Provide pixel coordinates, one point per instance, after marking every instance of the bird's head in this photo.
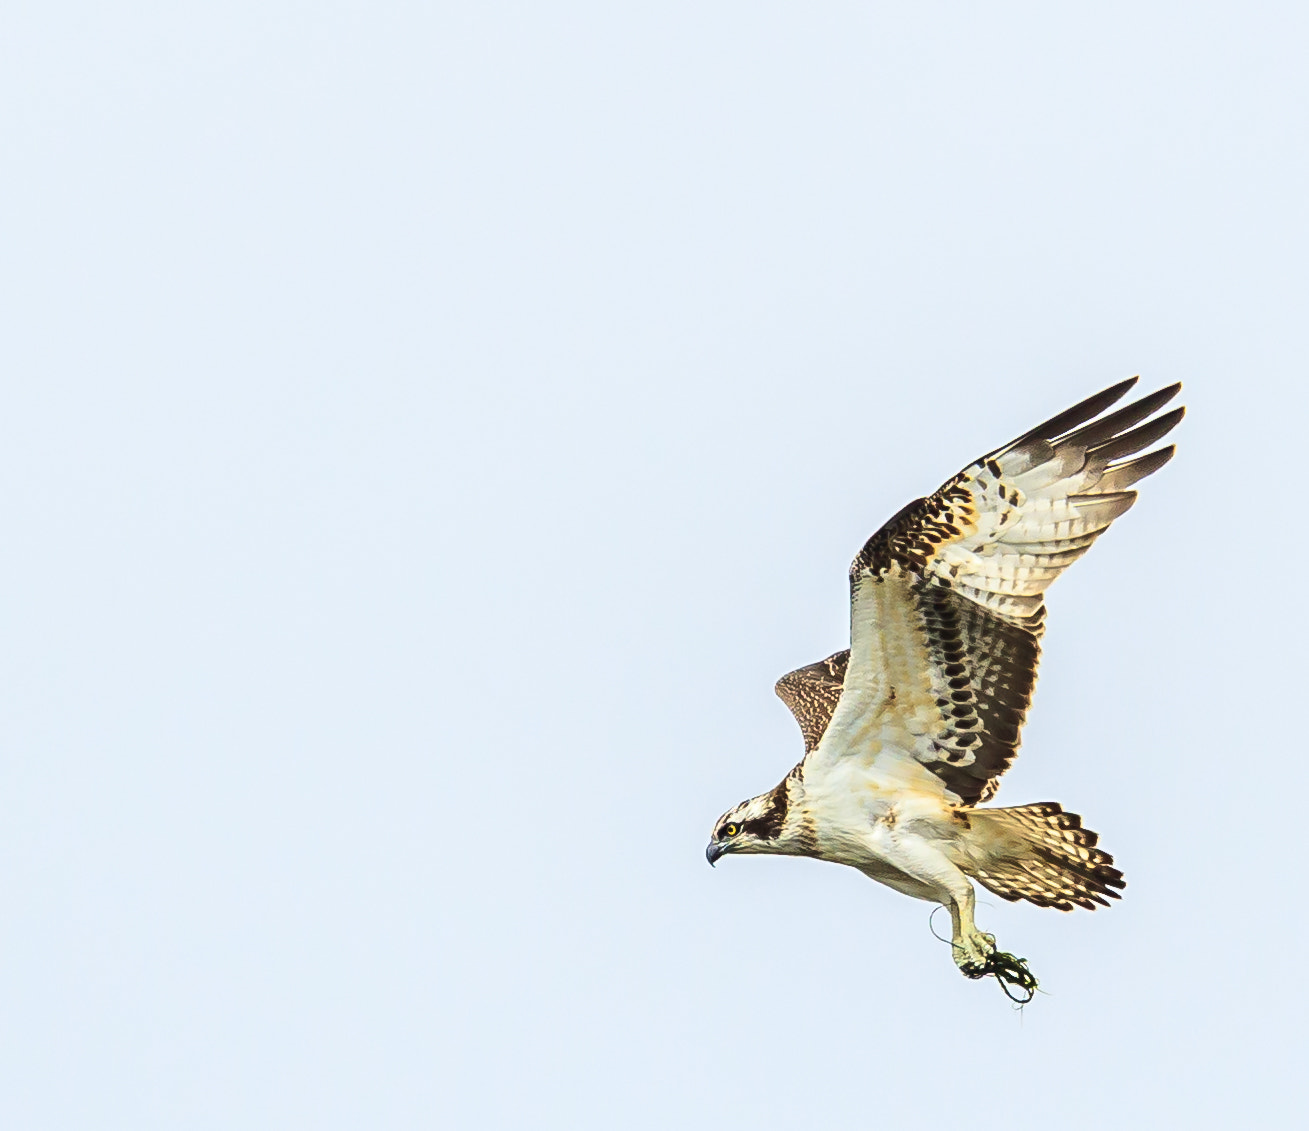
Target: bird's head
(752, 826)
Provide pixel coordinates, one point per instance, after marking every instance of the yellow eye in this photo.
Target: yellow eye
(731, 830)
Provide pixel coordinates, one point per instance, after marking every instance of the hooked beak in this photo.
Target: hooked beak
(713, 852)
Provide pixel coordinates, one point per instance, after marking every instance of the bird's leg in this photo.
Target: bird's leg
(928, 873)
(976, 955)
(972, 948)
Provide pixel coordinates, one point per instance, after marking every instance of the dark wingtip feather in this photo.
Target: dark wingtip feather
(1119, 477)
(1107, 427)
(1132, 442)
(1079, 414)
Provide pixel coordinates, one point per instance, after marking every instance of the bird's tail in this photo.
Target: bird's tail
(1041, 854)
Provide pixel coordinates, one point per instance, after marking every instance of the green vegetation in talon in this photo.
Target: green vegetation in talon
(1012, 974)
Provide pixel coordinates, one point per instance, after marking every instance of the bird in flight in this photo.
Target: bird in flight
(910, 728)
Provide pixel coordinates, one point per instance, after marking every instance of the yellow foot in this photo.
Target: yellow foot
(972, 952)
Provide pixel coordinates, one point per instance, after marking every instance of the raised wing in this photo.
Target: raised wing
(947, 599)
(812, 694)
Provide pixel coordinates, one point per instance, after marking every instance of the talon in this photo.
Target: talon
(973, 952)
(977, 957)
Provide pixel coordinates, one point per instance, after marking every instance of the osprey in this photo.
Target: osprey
(908, 729)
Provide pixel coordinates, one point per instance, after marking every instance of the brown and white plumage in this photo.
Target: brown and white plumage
(913, 725)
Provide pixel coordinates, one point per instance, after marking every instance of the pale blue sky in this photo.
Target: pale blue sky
(428, 431)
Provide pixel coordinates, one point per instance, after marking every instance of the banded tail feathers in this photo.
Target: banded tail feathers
(1041, 854)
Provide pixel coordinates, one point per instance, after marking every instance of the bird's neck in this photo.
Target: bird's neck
(791, 831)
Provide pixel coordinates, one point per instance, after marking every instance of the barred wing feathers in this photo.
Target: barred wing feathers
(812, 693)
(947, 599)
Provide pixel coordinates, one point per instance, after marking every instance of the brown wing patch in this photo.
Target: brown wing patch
(911, 538)
(812, 694)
